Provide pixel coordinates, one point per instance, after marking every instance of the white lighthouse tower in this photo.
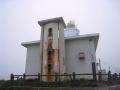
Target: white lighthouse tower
(52, 47)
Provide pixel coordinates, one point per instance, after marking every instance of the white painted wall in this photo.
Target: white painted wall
(33, 60)
(71, 62)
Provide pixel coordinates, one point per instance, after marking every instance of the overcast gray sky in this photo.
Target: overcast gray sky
(18, 23)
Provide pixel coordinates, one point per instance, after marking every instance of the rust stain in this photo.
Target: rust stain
(50, 54)
(50, 58)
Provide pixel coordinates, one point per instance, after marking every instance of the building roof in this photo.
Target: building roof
(56, 20)
(89, 36)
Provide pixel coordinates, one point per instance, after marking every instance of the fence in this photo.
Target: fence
(65, 79)
(58, 77)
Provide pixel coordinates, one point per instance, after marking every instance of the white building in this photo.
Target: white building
(80, 52)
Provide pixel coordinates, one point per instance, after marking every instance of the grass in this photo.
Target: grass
(66, 83)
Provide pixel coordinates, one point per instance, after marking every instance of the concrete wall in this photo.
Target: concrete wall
(72, 62)
(33, 60)
(72, 50)
(45, 28)
(56, 43)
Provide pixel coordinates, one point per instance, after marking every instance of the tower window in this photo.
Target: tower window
(50, 56)
(49, 68)
(50, 32)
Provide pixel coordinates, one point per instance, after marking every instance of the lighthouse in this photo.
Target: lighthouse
(52, 47)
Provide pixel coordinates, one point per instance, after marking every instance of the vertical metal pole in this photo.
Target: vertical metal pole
(24, 76)
(100, 71)
(100, 64)
(39, 76)
(11, 78)
(55, 77)
(100, 76)
(109, 75)
(74, 78)
(94, 71)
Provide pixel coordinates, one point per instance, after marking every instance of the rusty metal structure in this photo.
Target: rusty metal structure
(52, 47)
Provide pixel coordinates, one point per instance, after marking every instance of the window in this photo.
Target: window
(50, 32)
(81, 55)
(50, 56)
(49, 68)
(50, 38)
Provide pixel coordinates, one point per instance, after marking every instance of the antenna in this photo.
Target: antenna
(100, 64)
(71, 24)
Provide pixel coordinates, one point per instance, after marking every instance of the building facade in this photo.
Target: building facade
(80, 53)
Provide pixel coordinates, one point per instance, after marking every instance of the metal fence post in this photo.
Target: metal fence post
(94, 71)
(109, 75)
(70, 76)
(24, 76)
(74, 76)
(119, 76)
(55, 77)
(116, 76)
(59, 76)
(100, 76)
(38, 76)
(11, 78)
(59, 80)
(41, 77)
